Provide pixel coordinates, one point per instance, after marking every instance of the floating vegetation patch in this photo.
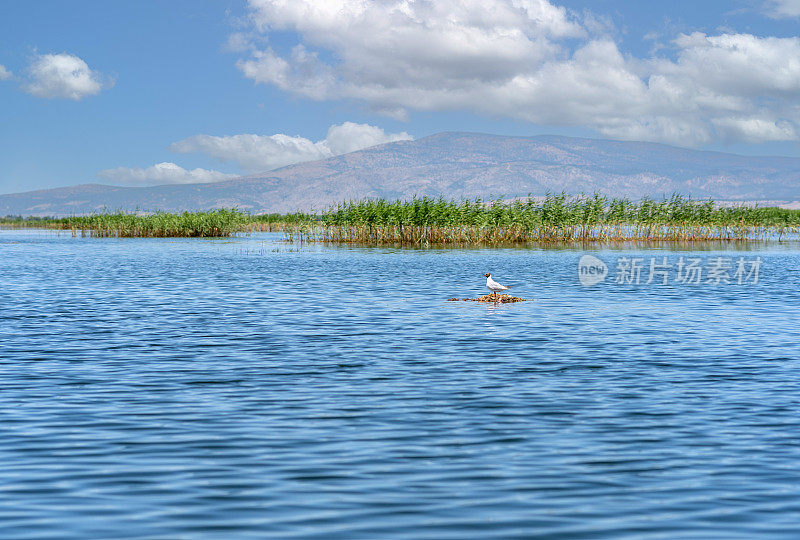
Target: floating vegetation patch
(499, 299)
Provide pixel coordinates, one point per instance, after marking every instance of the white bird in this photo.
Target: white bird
(493, 286)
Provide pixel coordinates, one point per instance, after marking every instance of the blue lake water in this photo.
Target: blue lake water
(161, 388)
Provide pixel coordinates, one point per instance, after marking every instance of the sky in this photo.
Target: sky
(152, 92)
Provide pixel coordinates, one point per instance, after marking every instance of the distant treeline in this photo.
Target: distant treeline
(424, 220)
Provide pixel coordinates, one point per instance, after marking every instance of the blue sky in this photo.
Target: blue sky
(149, 92)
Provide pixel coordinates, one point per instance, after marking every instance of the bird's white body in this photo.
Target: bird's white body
(493, 286)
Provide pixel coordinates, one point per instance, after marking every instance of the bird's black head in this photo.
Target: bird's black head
(487, 275)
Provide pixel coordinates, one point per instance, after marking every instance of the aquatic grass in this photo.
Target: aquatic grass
(281, 222)
(213, 223)
(556, 218)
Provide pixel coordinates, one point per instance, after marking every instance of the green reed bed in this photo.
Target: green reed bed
(293, 223)
(554, 219)
(423, 221)
(30, 222)
(214, 223)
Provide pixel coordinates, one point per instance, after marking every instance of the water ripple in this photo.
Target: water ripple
(163, 389)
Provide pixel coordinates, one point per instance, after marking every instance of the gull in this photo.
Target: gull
(493, 286)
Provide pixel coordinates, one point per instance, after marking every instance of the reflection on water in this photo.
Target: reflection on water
(209, 388)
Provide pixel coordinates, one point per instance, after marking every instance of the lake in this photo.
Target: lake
(246, 387)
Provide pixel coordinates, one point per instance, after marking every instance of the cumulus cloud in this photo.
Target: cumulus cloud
(5, 74)
(256, 153)
(162, 173)
(781, 9)
(62, 76)
(430, 45)
(532, 60)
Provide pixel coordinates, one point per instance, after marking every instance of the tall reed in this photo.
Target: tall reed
(213, 223)
(553, 219)
(424, 220)
(280, 222)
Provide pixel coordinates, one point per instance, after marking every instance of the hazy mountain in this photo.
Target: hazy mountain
(453, 165)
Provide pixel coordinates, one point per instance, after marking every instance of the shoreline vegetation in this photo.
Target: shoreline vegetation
(428, 221)
(214, 223)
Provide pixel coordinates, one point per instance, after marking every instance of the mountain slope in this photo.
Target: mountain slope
(452, 165)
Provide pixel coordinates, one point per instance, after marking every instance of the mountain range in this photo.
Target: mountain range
(452, 165)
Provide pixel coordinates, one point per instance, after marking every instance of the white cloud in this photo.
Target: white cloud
(5, 74)
(446, 44)
(302, 74)
(532, 60)
(757, 129)
(781, 9)
(255, 153)
(62, 76)
(162, 173)
(349, 137)
(238, 42)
